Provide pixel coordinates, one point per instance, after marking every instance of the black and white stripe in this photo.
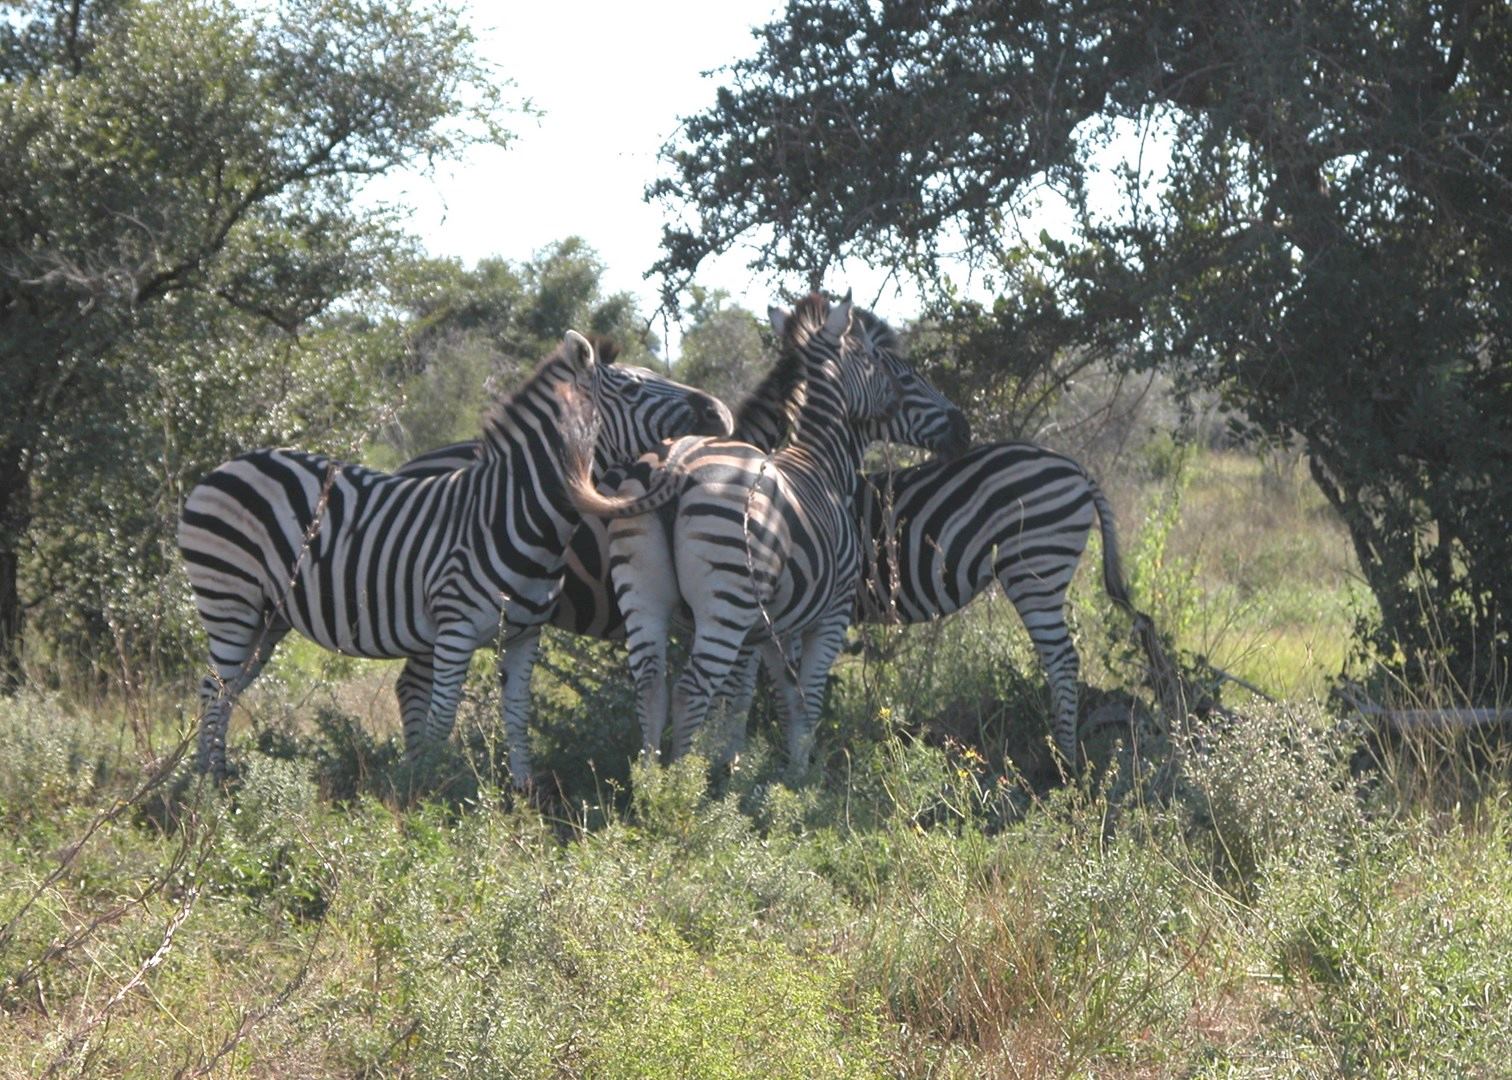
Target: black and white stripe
(763, 547)
(1011, 512)
(937, 536)
(424, 568)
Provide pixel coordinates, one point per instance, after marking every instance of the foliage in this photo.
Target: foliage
(102, 567)
(179, 176)
(723, 349)
(1324, 240)
(472, 331)
(887, 919)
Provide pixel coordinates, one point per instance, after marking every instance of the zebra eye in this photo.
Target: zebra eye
(632, 391)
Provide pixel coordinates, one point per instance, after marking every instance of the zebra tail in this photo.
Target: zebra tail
(579, 431)
(1113, 577)
(1171, 689)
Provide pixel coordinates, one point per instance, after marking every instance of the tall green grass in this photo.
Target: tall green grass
(1242, 561)
(1301, 897)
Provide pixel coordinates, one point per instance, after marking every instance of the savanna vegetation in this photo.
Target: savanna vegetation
(1283, 352)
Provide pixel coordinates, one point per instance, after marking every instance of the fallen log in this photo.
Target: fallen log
(1434, 719)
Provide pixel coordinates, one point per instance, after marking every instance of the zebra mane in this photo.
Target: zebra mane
(807, 318)
(768, 415)
(882, 337)
(497, 418)
(769, 412)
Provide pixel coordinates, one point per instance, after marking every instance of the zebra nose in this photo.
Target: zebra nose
(957, 436)
(711, 416)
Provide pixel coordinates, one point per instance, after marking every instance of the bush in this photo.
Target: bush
(907, 912)
(1272, 784)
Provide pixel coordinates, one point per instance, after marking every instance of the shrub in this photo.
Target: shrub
(1272, 784)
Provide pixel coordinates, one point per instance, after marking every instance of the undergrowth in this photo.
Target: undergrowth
(1301, 902)
(1294, 895)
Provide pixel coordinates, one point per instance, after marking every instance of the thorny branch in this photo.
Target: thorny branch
(80, 1037)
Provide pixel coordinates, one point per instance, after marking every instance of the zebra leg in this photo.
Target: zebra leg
(782, 660)
(237, 662)
(713, 655)
(645, 585)
(738, 692)
(1041, 604)
(1062, 668)
(414, 690)
(820, 647)
(517, 659)
(448, 673)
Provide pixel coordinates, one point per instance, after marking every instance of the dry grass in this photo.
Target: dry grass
(1265, 579)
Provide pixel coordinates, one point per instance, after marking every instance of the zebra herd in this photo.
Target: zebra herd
(613, 502)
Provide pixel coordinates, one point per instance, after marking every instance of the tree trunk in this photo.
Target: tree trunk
(15, 517)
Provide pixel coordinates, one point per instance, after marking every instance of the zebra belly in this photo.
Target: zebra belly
(341, 612)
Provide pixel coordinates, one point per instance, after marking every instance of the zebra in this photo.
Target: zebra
(762, 547)
(1014, 513)
(937, 535)
(586, 606)
(420, 568)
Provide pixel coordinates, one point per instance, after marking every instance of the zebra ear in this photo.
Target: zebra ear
(578, 351)
(778, 318)
(839, 317)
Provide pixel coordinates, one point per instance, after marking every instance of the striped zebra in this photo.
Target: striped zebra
(1008, 512)
(939, 534)
(587, 606)
(762, 547)
(422, 568)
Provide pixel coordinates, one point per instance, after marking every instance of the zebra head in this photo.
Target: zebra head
(889, 399)
(635, 408)
(820, 339)
(925, 418)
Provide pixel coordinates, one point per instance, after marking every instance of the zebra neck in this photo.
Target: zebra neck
(762, 424)
(522, 445)
(766, 415)
(832, 444)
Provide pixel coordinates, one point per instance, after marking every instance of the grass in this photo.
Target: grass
(1255, 572)
(1282, 912)
(1298, 899)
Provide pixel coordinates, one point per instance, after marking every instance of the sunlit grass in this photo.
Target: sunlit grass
(1271, 589)
(1303, 898)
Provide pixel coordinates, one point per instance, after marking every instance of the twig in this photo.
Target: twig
(58, 948)
(81, 1036)
(1420, 719)
(1237, 681)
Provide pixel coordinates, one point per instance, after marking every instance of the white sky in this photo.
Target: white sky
(611, 81)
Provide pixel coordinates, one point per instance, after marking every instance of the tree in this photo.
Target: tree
(722, 350)
(101, 570)
(1330, 247)
(474, 332)
(171, 166)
